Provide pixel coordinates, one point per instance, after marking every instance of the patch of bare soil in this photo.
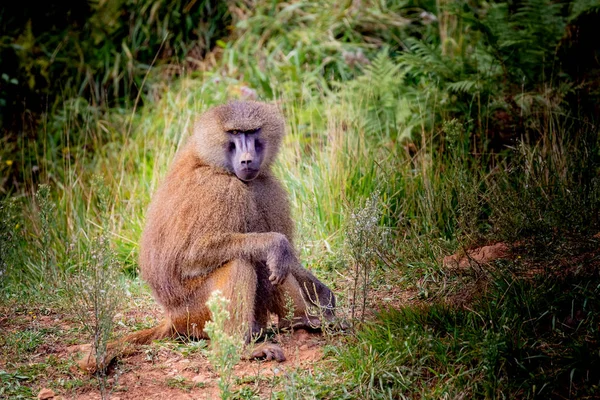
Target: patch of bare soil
(162, 370)
(390, 296)
(156, 372)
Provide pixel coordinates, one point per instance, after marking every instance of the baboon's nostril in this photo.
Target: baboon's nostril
(246, 159)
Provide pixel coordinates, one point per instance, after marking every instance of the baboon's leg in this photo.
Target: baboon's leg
(262, 301)
(237, 282)
(311, 299)
(285, 300)
(314, 291)
(248, 300)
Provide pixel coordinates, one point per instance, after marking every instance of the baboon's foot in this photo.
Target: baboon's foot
(313, 323)
(256, 334)
(309, 323)
(268, 351)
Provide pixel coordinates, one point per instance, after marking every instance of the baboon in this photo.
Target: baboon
(221, 221)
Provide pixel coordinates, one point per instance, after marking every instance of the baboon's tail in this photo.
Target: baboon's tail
(124, 346)
(146, 336)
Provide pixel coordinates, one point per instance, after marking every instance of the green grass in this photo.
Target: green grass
(528, 331)
(464, 132)
(524, 337)
(179, 382)
(24, 341)
(13, 386)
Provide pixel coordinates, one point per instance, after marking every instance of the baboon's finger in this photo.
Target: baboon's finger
(275, 280)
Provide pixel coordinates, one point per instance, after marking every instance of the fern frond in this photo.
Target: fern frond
(383, 70)
(464, 86)
(422, 58)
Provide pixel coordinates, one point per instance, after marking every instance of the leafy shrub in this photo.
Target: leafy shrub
(101, 50)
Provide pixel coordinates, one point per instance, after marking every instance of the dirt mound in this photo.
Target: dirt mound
(479, 256)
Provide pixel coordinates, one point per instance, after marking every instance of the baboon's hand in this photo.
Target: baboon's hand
(280, 259)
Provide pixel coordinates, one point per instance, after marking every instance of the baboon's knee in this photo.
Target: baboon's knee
(237, 282)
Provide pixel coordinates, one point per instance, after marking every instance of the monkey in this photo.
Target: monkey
(221, 220)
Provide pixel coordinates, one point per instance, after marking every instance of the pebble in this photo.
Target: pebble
(45, 394)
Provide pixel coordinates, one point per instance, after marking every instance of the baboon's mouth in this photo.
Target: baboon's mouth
(247, 175)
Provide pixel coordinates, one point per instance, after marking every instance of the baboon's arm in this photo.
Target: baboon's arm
(212, 251)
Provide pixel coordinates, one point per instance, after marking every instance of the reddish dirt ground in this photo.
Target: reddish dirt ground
(156, 376)
(162, 370)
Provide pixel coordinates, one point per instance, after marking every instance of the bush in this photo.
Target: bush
(102, 51)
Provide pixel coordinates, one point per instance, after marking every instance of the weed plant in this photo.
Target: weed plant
(10, 230)
(225, 345)
(364, 242)
(94, 290)
(46, 214)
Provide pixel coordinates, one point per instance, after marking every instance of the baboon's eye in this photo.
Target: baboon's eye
(233, 132)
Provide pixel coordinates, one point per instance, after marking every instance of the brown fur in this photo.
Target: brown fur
(207, 230)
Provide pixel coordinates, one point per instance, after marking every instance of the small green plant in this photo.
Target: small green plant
(95, 292)
(225, 346)
(289, 311)
(179, 382)
(364, 242)
(246, 393)
(46, 214)
(191, 347)
(10, 260)
(25, 341)
(13, 386)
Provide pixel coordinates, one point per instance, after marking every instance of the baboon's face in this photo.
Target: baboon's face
(246, 153)
(241, 137)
